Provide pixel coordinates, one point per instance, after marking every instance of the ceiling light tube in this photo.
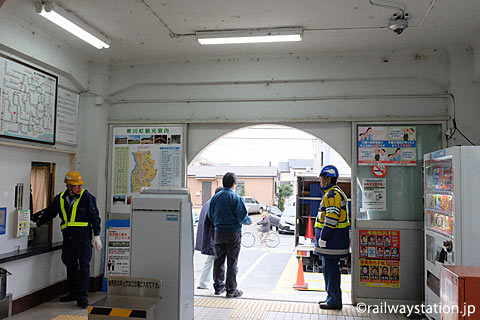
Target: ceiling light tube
(70, 23)
(249, 36)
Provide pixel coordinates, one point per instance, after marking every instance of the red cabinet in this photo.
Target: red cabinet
(460, 288)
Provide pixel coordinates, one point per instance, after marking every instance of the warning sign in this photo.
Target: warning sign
(379, 170)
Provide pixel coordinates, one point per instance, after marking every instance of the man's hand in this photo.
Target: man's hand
(33, 225)
(97, 243)
(322, 243)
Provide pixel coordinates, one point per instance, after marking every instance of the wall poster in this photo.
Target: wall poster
(3, 220)
(146, 156)
(374, 194)
(393, 146)
(117, 250)
(28, 102)
(379, 258)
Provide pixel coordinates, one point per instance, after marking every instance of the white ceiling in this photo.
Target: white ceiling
(138, 32)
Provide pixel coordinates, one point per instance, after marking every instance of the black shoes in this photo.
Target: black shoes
(327, 306)
(235, 294)
(82, 303)
(219, 292)
(67, 298)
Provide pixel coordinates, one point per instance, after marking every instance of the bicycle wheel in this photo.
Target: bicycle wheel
(248, 239)
(272, 239)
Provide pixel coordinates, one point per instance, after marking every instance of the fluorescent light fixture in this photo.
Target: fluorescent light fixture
(72, 24)
(250, 36)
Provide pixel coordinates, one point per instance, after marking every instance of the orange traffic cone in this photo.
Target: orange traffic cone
(300, 284)
(309, 234)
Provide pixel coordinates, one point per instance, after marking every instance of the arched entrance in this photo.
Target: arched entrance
(258, 276)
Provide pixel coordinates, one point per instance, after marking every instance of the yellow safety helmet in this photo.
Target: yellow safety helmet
(74, 178)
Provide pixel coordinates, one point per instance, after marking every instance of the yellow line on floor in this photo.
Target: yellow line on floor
(287, 278)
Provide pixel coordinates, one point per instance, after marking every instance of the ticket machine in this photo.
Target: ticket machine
(162, 247)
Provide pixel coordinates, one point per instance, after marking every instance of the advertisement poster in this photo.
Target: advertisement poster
(147, 156)
(379, 258)
(67, 117)
(393, 146)
(374, 194)
(117, 260)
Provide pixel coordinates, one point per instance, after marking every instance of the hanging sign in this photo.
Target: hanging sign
(379, 170)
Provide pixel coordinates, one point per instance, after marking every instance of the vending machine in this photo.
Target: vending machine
(452, 217)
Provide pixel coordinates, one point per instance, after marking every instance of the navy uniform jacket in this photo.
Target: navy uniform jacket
(87, 211)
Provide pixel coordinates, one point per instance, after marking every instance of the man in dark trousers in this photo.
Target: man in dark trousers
(332, 235)
(228, 213)
(79, 218)
(205, 243)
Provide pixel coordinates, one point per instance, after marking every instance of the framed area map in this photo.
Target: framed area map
(145, 156)
(28, 102)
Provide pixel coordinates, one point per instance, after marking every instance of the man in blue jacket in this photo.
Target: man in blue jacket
(205, 243)
(79, 219)
(332, 235)
(228, 213)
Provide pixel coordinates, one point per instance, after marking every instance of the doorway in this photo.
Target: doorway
(42, 177)
(268, 164)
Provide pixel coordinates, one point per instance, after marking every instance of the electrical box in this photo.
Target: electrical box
(460, 286)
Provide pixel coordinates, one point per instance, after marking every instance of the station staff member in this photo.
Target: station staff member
(332, 235)
(79, 218)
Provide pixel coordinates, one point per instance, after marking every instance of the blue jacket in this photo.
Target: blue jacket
(228, 212)
(205, 241)
(87, 211)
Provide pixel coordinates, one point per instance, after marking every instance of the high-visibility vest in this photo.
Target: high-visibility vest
(340, 225)
(72, 222)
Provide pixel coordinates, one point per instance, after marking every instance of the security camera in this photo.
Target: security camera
(398, 23)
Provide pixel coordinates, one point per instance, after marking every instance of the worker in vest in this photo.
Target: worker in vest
(332, 235)
(79, 218)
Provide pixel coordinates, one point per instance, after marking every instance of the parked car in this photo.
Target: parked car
(274, 210)
(195, 217)
(287, 221)
(253, 206)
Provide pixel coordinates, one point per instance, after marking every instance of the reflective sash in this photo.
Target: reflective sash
(72, 222)
(340, 225)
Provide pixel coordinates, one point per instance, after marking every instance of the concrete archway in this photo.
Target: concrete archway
(336, 134)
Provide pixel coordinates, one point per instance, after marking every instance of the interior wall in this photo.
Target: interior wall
(320, 94)
(21, 41)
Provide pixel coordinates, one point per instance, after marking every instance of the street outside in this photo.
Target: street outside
(269, 273)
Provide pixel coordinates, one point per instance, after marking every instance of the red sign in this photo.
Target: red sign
(379, 170)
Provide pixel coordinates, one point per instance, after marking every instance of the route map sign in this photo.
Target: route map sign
(28, 101)
(146, 156)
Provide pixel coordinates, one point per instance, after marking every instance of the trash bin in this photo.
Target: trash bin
(3, 282)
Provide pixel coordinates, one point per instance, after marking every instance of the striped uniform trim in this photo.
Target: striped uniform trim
(116, 312)
(331, 251)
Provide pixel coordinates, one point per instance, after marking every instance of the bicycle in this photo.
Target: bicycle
(271, 239)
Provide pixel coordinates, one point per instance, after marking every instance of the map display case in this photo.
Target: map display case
(451, 180)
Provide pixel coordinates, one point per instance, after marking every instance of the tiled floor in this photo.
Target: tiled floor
(215, 308)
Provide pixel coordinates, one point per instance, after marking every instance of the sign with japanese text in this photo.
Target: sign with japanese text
(393, 146)
(374, 194)
(147, 156)
(379, 258)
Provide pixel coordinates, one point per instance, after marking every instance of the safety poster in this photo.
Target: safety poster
(146, 156)
(379, 258)
(117, 260)
(393, 146)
